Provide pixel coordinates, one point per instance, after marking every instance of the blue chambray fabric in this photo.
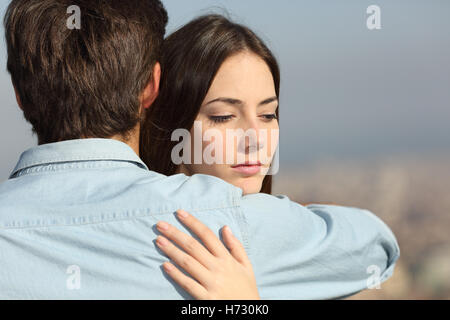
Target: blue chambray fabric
(77, 221)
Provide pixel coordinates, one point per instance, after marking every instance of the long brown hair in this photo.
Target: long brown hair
(191, 58)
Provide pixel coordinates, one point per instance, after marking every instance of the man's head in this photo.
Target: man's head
(89, 82)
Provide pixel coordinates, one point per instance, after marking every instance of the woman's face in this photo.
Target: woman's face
(238, 123)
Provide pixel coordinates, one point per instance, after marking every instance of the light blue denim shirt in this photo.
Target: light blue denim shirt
(77, 221)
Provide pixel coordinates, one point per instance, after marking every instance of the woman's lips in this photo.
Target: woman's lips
(248, 169)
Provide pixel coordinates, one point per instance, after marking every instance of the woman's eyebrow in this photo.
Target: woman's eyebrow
(239, 102)
(269, 100)
(226, 100)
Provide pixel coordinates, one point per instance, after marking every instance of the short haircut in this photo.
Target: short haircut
(77, 83)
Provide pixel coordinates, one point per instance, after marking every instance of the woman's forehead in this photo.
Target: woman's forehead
(244, 76)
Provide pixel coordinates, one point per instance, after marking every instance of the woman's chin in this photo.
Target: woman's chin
(249, 185)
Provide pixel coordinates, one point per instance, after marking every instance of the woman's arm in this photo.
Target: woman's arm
(321, 251)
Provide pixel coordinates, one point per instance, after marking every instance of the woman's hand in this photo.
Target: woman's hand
(221, 273)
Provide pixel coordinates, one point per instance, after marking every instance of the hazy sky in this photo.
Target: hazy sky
(346, 91)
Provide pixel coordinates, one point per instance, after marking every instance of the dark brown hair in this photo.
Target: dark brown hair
(75, 83)
(191, 58)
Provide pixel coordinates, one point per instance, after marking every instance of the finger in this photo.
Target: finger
(205, 234)
(191, 286)
(189, 244)
(185, 261)
(236, 248)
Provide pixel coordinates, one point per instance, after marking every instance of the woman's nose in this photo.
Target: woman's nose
(253, 139)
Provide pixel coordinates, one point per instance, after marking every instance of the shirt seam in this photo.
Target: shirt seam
(79, 158)
(135, 216)
(39, 169)
(46, 167)
(242, 222)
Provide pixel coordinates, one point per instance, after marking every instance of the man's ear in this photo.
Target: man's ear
(151, 91)
(18, 98)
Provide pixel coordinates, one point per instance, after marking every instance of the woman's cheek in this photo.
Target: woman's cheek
(213, 152)
(270, 138)
(213, 146)
(274, 141)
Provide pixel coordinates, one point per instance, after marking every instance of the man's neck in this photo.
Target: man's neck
(132, 141)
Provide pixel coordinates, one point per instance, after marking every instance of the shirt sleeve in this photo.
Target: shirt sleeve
(316, 251)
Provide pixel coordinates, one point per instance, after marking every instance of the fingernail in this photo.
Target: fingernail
(229, 230)
(161, 241)
(182, 214)
(162, 225)
(167, 267)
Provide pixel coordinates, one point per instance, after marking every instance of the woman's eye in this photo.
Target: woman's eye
(220, 119)
(269, 117)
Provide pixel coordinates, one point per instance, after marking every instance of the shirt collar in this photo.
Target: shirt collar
(77, 150)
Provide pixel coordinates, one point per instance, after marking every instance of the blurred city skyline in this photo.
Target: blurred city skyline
(346, 92)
